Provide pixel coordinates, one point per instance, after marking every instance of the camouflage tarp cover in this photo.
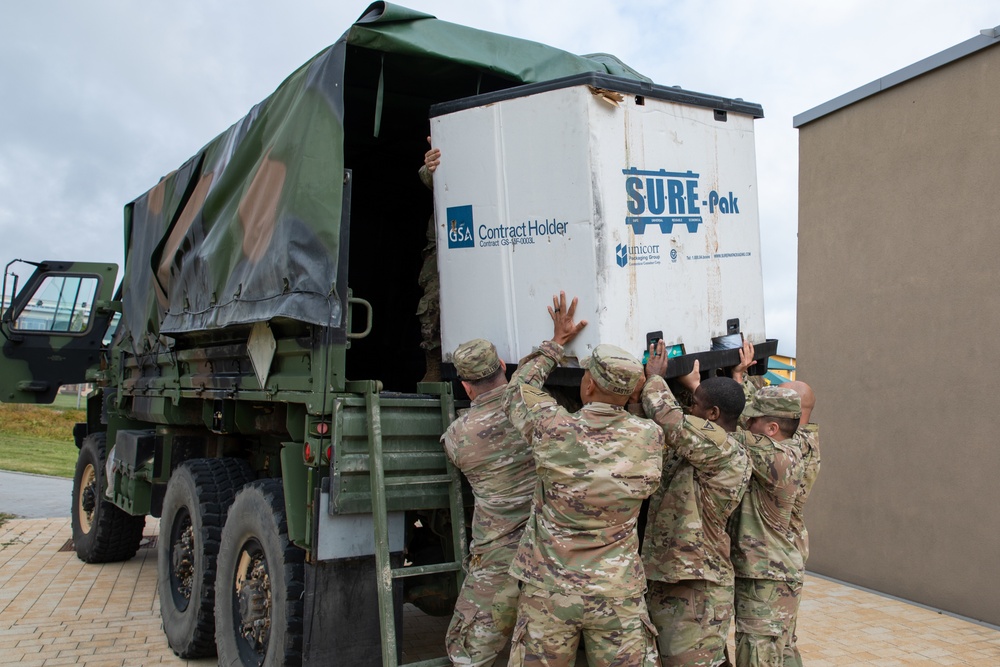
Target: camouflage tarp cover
(248, 229)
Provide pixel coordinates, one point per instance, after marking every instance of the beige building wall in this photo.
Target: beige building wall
(899, 334)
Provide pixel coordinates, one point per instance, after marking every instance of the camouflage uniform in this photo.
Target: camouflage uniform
(578, 560)
(498, 463)
(767, 563)
(429, 306)
(808, 434)
(750, 384)
(685, 551)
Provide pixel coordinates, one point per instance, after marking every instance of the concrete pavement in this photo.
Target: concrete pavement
(56, 610)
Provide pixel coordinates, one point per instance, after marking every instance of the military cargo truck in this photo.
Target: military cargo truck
(258, 364)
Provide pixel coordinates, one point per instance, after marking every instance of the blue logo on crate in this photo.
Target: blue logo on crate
(460, 227)
(621, 254)
(638, 254)
(668, 198)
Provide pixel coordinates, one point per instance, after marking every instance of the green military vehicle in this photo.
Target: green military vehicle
(258, 367)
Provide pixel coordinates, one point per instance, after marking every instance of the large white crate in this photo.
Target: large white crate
(644, 207)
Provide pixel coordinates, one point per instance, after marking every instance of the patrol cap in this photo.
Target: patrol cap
(614, 369)
(774, 401)
(476, 359)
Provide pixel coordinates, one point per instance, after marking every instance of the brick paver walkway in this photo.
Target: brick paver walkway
(55, 610)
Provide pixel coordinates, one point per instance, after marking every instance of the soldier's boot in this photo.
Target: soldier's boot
(433, 372)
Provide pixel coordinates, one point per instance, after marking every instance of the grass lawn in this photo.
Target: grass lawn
(39, 438)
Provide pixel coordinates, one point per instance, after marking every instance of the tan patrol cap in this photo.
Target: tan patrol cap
(614, 369)
(476, 359)
(774, 401)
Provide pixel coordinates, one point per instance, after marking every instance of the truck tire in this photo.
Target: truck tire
(198, 496)
(102, 532)
(258, 611)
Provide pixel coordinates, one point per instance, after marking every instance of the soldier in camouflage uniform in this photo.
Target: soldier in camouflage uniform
(429, 306)
(498, 463)
(808, 435)
(578, 560)
(686, 549)
(767, 563)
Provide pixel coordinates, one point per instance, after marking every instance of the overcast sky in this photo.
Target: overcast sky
(101, 98)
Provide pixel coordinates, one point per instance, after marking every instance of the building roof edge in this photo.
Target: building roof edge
(986, 38)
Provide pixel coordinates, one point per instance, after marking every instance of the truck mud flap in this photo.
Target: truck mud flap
(341, 624)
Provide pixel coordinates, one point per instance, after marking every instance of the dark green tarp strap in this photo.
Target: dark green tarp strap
(379, 96)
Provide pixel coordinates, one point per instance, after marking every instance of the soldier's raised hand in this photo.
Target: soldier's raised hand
(656, 363)
(746, 361)
(564, 329)
(693, 378)
(432, 158)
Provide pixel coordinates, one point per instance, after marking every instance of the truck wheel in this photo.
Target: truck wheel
(258, 612)
(198, 496)
(102, 532)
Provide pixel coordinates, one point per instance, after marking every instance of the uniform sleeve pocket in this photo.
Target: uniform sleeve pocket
(723, 612)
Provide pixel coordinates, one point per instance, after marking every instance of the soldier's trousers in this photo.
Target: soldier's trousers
(429, 306)
(692, 619)
(485, 611)
(792, 658)
(616, 631)
(765, 610)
